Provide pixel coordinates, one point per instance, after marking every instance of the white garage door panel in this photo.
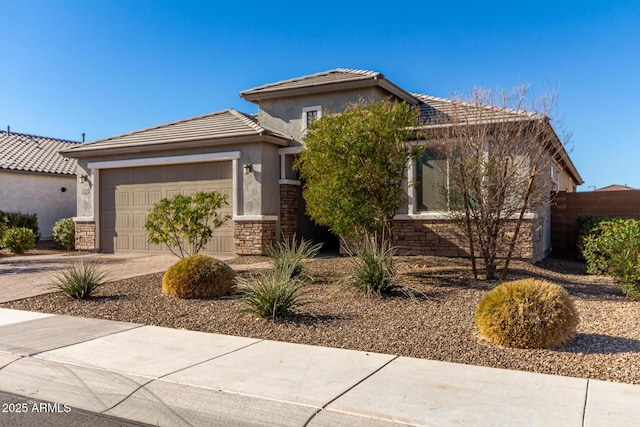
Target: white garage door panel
(127, 195)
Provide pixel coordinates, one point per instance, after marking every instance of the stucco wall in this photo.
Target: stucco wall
(258, 192)
(285, 114)
(40, 194)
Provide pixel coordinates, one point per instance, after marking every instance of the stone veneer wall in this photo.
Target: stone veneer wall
(253, 237)
(444, 238)
(86, 236)
(289, 208)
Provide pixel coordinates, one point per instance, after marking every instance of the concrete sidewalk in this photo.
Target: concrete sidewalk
(174, 377)
(28, 276)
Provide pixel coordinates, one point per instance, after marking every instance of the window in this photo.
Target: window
(432, 181)
(309, 114)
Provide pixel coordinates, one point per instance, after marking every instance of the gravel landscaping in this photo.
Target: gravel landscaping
(439, 325)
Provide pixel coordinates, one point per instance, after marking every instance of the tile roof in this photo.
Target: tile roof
(31, 153)
(221, 124)
(615, 187)
(322, 81)
(437, 111)
(325, 77)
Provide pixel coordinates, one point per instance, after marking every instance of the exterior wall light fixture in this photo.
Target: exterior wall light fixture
(247, 168)
(83, 179)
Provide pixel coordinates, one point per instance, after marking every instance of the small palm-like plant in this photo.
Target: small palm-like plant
(291, 256)
(373, 269)
(273, 294)
(79, 280)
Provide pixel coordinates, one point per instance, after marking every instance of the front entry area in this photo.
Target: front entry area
(126, 196)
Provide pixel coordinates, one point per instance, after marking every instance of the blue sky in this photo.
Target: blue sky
(106, 67)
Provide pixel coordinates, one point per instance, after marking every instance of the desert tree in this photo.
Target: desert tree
(354, 167)
(499, 148)
(186, 223)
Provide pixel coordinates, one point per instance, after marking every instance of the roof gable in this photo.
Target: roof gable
(219, 125)
(31, 153)
(331, 80)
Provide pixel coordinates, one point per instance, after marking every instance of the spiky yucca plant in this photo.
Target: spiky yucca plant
(79, 280)
(272, 294)
(291, 256)
(373, 269)
(527, 313)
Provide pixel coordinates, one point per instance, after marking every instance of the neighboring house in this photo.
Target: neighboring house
(615, 187)
(35, 178)
(249, 158)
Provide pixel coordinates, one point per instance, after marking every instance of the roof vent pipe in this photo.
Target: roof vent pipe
(82, 136)
(8, 130)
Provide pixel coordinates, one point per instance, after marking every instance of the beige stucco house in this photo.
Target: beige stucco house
(35, 178)
(249, 158)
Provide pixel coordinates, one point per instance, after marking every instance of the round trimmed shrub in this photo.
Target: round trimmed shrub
(198, 276)
(18, 239)
(527, 313)
(64, 234)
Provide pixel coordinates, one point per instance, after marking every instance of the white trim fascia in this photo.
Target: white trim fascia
(290, 182)
(291, 150)
(234, 187)
(168, 160)
(83, 219)
(255, 217)
(446, 216)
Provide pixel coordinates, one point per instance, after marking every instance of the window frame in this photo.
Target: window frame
(306, 110)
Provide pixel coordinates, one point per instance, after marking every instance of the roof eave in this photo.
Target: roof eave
(90, 151)
(360, 82)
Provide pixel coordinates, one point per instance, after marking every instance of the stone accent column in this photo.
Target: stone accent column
(289, 210)
(253, 237)
(85, 235)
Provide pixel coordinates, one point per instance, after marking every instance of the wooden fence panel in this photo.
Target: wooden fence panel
(566, 208)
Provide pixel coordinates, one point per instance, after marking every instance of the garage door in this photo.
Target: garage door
(128, 194)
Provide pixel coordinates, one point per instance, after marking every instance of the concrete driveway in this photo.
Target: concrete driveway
(31, 275)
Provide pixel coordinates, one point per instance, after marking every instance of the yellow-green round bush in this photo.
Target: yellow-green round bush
(198, 276)
(527, 313)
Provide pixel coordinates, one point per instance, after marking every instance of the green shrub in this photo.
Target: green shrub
(64, 234)
(18, 240)
(21, 220)
(80, 280)
(625, 268)
(274, 293)
(606, 239)
(291, 256)
(586, 226)
(373, 269)
(527, 313)
(198, 276)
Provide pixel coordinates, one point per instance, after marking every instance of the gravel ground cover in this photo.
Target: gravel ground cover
(438, 325)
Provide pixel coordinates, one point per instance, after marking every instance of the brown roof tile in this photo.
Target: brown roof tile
(221, 124)
(615, 187)
(31, 153)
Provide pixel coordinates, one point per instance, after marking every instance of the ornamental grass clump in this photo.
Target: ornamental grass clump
(273, 294)
(78, 281)
(198, 276)
(373, 269)
(292, 256)
(527, 313)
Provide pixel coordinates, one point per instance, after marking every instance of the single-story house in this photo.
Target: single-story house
(615, 187)
(36, 178)
(249, 158)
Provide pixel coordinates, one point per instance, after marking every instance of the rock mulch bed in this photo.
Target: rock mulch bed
(439, 325)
